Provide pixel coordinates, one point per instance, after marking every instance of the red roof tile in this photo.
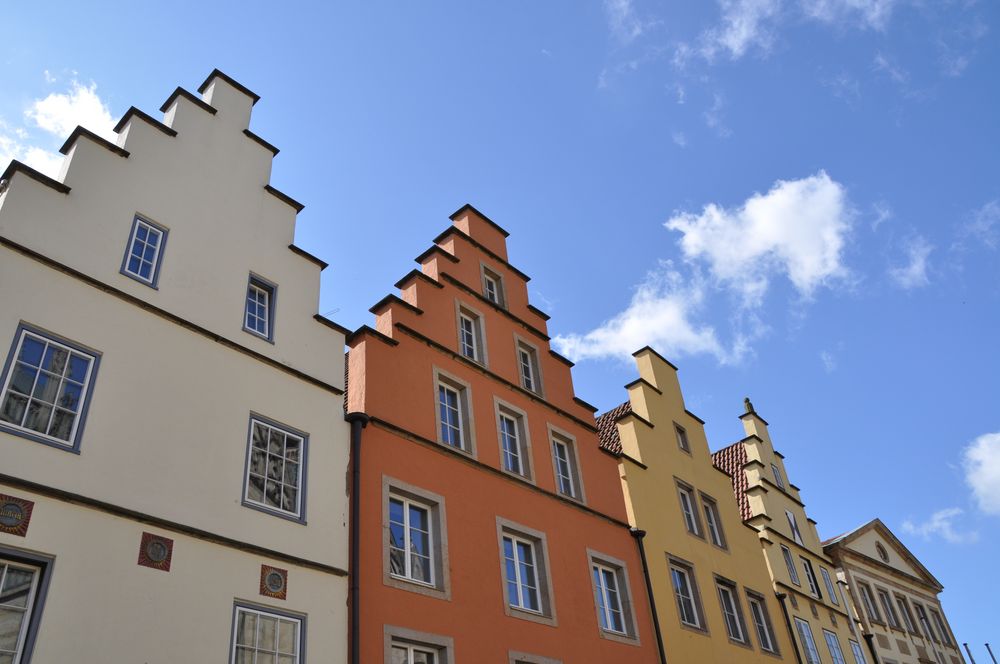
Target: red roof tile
(607, 427)
(731, 460)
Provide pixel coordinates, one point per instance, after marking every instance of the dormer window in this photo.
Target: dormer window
(493, 287)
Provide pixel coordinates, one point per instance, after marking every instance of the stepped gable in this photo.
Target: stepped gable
(731, 460)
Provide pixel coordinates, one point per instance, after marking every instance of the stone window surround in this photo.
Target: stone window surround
(445, 645)
(708, 502)
(570, 441)
(486, 271)
(699, 607)
(536, 365)
(439, 539)
(683, 442)
(541, 550)
(525, 454)
(465, 397)
(479, 321)
(516, 657)
(631, 635)
(733, 588)
(768, 622)
(684, 487)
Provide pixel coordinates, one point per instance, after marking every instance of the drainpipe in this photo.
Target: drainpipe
(971, 658)
(870, 640)
(788, 624)
(990, 651)
(358, 422)
(639, 535)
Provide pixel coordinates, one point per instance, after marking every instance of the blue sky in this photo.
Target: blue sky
(793, 201)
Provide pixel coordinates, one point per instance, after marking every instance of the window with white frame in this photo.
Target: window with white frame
(261, 635)
(833, 645)
(454, 414)
(493, 287)
(566, 466)
(888, 608)
(522, 574)
(904, 610)
(689, 509)
(762, 622)
(258, 315)
(144, 251)
(276, 457)
(682, 438)
(794, 527)
(405, 653)
(686, 594)
(808, 643)
(47, 388)
(18, 592)
(713, 521)
(512, 431)
(609, 601)
(778, 479)
(793, 573)
(471, 343)
(527, 363)
(732, 613)
(411, 550)
(859, 654)
(869, 601)
(811, 577)
(828, 582)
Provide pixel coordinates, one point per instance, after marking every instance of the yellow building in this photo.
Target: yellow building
(895, 597)
(802, 574)
(712, 592)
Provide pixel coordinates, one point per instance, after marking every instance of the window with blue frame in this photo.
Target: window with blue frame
(258, 315)
(46, 388)
(145, 251)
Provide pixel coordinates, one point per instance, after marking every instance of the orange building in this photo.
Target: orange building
(491, 527)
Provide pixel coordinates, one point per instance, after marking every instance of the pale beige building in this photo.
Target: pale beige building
(172, 450)
(896, 602)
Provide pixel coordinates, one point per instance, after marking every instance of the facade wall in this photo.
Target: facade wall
(653, 466)
(163, 448)
(392, 379)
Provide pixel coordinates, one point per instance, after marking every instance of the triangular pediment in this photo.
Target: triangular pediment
(876, 542)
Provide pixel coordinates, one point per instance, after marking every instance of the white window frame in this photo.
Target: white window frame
(793, 572)
(407, 549)
(713, 521)
(833, 645)
(440, 647)
(508, 416)
(762, 622)
(257, 285)
(546, 613)
(869, 602)
(811, 577)
(299, 512)
(608, 604)
(258, 612)
(885, 600)
(794, 527)
(566, 471)
(732, 612)
(828, 582)
(689, 509)
(686, 571)
(492, 276)
(859, 654)
(26, 612)
(468, 344)
(528, 366)
(154, 269)
(808, 641)
(62, 380)
(520, 601)
(449, 384)
(412, 650)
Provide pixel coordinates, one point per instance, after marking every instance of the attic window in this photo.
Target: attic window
(882, 553)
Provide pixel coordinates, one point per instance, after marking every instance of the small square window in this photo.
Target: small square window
(415, 539)
(265, 635)
(453, 413)
(47, 388)
(689, 509)
(732, 612)
(275, 477)
(612, 597)
(258, 316)
(528, 368)
(566, 465)
(713, 521)
(493, 287)
(686, 594)
(471, 339)
(144, 251)
(515, 445)
(682, 438)
(525, 567)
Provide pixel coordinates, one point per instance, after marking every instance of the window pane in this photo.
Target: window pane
(13, 408)
(31, 351)
(62, 424)
(38, 416)
(400, 655)
(288, 637)
(246, 628)
(23, 379)
(55, 360)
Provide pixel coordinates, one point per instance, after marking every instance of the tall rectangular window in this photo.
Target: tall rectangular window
(828, 582)
(261, 635)
(515, 449)
(522, 574)
(925, 623)
(833, 645)
(527, 363)
(762, 623)
(808, 643)
(46, 388)
(682, 438)
(566, 466)
(904, 610)
(859, 654)
(811, 577)
(453, 412)
(410, 545)
(471, 339)
(939, 622)
(689, 510)
(713, 521)
(609, 604)
(144, 251)
(793, 573)
(793, 525)
(778, 479)
(493, 287)
(18, 591)
(887, 607)
(276, 458)
(258, 316)
(686, 594)
(732, 613)
(869, 601)
(451, 415)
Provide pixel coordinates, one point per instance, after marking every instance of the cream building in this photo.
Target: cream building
(895, 598)
(172, 448)
(813, 603)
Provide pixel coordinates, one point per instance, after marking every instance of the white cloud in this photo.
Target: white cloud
(622, 19)
(829, 361)
(914, 273)
(49, 78)
(680, 140)
(981, 460)
(884, 64)
(883, 213)
(984, 227)
(873, 14)
(745, 24)
(60, 113)
(714, 118)
(941, 524)
(797, 229)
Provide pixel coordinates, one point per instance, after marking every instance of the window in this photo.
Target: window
(890, 611)
(686, 592)
(493, 287)
(794, 526)
(682, 438)
(410, 535)
(406, 646)
(454, 414)
(762, 622)
(144, 251)
(471, 343)
(808, 644)
(793, 573)
(275, 458)
(732, 614)
(512, 431)
(404, 653)
(811, 577)
(414, 542)
(869, 601)
(859, 655)
(777, 476)
(566, 465)
(939, 622)
(524, 562)
(611, 596)
(882, 553)
(713, 521)
(688, 509)
(47, 388)
(828, 582)
(833, 644)
(904, 610)
(258, 316)
(18, 593)
(527, 363)
(265, 636)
